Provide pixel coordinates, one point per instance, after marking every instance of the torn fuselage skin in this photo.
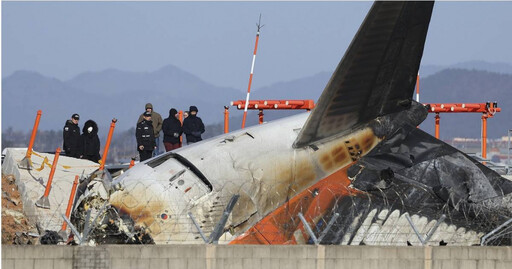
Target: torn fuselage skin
(412, 172)
(104, 225)
(257, 163)
(407, 173)
(150, 203)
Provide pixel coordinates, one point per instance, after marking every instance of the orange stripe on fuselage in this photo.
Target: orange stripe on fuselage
(280, 226)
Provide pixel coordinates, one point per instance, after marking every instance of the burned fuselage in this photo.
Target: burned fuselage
(358, 120)
(257, 163)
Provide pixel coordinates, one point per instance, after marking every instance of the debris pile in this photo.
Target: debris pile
(16, 229)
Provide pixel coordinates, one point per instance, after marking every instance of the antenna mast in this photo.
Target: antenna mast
(252, 71)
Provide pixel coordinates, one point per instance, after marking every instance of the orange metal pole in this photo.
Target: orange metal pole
(484, 135)
(52, 172)
(180, 117)
(437, 125)
(252, 72)
(418, 88)
(226, 119)
(70, 203)
(260, 116)
(107, 145)
(44, 202)
(33, 136)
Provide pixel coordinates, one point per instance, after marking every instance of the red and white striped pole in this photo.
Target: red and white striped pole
(418, 88)
(252, 72)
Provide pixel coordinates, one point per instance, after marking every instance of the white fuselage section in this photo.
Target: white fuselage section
(258, 163)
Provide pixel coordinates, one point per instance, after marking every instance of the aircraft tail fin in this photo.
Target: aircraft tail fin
(377, 74)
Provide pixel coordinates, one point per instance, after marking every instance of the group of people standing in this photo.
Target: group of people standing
(82, 146)
(150, 124)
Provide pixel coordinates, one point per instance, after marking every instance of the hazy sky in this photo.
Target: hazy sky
(215, 40)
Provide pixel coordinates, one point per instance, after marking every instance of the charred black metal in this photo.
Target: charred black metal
(50, 238)
(416, 173)
(109, 231)
(385, 126)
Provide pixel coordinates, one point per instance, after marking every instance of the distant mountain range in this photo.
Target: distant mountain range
(502, 68)
(109, 94)
(468, 86)
(112, 93)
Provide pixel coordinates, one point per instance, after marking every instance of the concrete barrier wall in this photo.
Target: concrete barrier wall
(254, 257)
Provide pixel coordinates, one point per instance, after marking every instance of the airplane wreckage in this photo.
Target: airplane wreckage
(357, 165)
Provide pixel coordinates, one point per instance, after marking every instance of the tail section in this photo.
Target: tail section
(377, 74)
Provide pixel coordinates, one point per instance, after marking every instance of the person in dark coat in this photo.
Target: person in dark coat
(90, 142)
(172, 131)
(145, 137)
(193, 126)
(72, 139)
(156, 119)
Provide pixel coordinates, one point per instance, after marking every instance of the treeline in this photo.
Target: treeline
(45, 140)
(122, 148)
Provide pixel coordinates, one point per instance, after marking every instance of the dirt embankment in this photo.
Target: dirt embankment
(16, 228)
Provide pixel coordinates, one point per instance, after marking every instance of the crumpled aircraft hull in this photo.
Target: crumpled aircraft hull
(408, 172)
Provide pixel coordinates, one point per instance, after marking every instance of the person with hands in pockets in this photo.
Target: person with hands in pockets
(145, 137)
(193, 126)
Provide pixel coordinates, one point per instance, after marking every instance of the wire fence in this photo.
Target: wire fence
(362, 219)
(150, 213)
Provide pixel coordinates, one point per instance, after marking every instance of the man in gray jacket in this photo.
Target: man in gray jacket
(157, 125)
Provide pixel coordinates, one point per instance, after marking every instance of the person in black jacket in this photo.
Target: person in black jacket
(71, 135)
(172, 131)
(90, 142)
(145, 137)
(193, 126)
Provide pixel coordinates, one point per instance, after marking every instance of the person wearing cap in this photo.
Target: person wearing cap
(172, 131)
(157, 125)
(145, 137)
(193, 126)
(90, 142)
(71, 135)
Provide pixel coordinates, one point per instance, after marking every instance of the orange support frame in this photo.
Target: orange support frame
(107, 145)
(275, 104)
(267, 104)
(461, 107)
(484, 135)
(487, 109)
